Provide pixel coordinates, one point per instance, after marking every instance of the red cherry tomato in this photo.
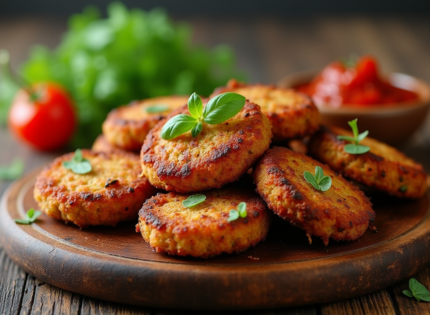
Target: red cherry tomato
(45, 122)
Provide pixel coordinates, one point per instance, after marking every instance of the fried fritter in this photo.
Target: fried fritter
(292, 114)
(127, 126)
(220, 154)
(102, 145)
(342, 212)
(203, 230)
(112, 192)
(383, 167)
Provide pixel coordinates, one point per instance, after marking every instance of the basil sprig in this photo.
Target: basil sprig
(240, 212)
(319, 181)
(355, 148)
(30, 217)
(78, 164)
(217, 110)
(417, 290)
(193, 200)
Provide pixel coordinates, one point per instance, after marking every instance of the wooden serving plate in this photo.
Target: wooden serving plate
(116, 264)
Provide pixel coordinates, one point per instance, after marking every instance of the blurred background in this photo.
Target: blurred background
(252, 40)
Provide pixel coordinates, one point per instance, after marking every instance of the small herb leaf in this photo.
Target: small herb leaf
(319, 173)
(325, 183)
(30, 216)
(346, 138)
(157, 108)
(417, 290)
(12, 171)
(319, 181)
(311, 180)
(223, 107)
(197, 129)
(362, 135)
(233, 215)
(241, 208)
(193, 200)
(78, 164)
(195, 106)
(178, 125)
(356, 148)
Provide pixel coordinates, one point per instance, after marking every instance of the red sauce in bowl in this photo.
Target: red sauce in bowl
(339, 85)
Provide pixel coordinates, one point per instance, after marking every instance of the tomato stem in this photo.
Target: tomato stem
(18, 80)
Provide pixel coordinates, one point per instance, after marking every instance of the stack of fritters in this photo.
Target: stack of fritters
(222, 153)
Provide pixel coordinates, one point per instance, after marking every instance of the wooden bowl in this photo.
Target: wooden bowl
(391, 124)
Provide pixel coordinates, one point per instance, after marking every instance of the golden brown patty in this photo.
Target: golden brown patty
(292, 114)
(218, 155)
(127, 126)
(112, 192)
(102, 145)
(342, 212)
(203, 231)
(383, 167)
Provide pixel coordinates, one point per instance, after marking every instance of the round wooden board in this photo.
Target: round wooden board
(115, 264)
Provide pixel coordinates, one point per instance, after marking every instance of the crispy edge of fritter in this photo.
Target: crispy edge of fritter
(102, 145)
(231, 159)
(207, 237)
(293, 123)
(293, 201)
(127, 134)
(368, 168)
(84, 208)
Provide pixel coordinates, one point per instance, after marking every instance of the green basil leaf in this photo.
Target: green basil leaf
(311, 180)
(193, 200)
(325, 183)
(346, 138)
(157, 108)
(35, 215)
(356, 148)
(223, 107)
(21, 221)
(83, 167)
(362, 135)
(30, 213)
(241, 208)
(78, 156)
(417, 288)
(195, 106)
(423, 297)
(408, 293)
(354, 127)
(12, 171)
(197, 129)
(233, 215)
(177, 125)
(319, 173)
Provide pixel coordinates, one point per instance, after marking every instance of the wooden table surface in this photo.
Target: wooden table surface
(267, 49)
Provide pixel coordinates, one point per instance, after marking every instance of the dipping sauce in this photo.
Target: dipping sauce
(354, 83)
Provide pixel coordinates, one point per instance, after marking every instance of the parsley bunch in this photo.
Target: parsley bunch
(130, 54)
